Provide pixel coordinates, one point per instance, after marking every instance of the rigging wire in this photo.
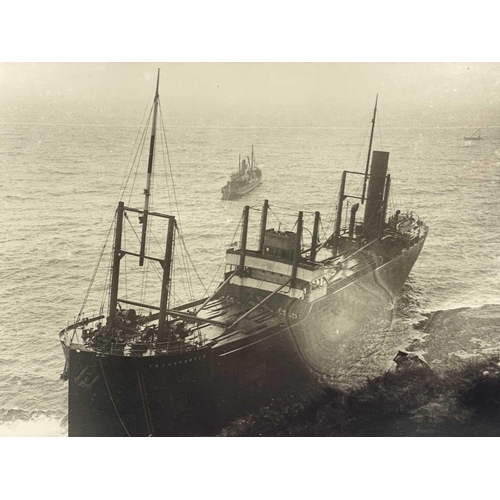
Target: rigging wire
(123, 185)
(139, 152)
(169, 165)
(288, 209)
(189, 291)
(95, 271)
(274, 215)
(361, 149)
(131, 172)
(153, 264)
(136, 149)
(107, 279)
(179, 228)
(181, 237)
(216, 272)
(325, 233)
(224, 257)
(380, 132)
(185, 278)
(112, 400)
(136, 161)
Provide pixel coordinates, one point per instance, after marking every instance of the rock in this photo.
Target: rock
(406, 359)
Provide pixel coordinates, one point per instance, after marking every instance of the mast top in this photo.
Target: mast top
(147, 191)
(374, 111)
(157, 84)
(369, 151)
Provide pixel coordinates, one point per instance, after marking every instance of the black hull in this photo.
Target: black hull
(188, 396)
(198, 392)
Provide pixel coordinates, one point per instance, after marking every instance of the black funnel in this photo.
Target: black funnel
(375, 194)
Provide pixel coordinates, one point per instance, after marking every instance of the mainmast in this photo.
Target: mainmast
(369, 151)
(147, 191)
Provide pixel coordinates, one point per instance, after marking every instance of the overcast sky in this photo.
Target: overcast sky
(454, 92)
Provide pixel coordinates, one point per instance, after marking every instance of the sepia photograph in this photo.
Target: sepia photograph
(250, 249)
(276, 223)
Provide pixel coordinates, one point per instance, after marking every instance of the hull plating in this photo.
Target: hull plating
(198, 392)
(230, 193)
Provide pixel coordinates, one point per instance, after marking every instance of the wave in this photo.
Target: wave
(67, 172)
(467, 303)
(17, 197)
(36, 423)
(411, 300)
(55, 262)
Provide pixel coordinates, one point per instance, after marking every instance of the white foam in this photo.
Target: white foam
(472, 301)
(41, 426)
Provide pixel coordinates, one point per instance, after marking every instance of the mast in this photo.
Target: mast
(296, 253)
(338, 222)
(387, 190)
(314, 243)
(165, 285)
(113, 300)
(369, 151)
(147, 192)
(243, 249)
(352, 221)
(263, 226)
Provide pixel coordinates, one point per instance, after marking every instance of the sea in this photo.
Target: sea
(62, 173)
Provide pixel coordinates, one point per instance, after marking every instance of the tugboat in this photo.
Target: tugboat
(476, 136)
(244, 180)
(287, 313)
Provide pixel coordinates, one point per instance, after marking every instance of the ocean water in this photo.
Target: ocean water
(59, 184)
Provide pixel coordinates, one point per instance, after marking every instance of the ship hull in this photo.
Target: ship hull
(337, 331)
(193, 395)
(230, 193)
(199, 392)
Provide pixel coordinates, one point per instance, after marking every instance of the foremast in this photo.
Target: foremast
(119, 252)
(147, 191)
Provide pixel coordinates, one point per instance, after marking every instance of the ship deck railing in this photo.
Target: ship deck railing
(145, 349)
(131, 346)
(169, 348)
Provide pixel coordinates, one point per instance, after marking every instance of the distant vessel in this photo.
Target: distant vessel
(296, 308)
(244, 180)
(476, 136)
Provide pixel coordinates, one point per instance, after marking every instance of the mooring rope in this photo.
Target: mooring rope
(112, 400)
(145, 405)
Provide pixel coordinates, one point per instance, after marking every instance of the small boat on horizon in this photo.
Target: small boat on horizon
(476, 136)
(244, 180)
